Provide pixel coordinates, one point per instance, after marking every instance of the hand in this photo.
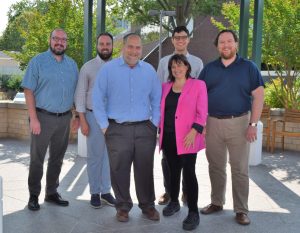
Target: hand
(204, 131)
(251, 133)
(189, 139)
(35, 126)
(74, 125)
(104, 131)
(84, 126)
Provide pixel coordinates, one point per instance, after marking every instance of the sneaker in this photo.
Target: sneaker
(191, 221)
(108, 199)
(33, 203)
(95, 201)
(164, 199)
(171, 209)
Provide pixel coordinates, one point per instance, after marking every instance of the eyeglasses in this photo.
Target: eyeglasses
(177, 38)
(57, 39)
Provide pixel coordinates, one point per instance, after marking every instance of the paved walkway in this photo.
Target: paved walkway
(274, 198)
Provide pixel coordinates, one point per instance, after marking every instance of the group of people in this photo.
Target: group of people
(122, 103)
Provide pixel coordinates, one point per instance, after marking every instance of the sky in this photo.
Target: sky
(5, 4)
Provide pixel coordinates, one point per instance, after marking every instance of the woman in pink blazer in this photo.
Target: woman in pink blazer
(183, 117)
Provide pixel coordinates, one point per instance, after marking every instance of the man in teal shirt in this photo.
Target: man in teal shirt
(49, 85)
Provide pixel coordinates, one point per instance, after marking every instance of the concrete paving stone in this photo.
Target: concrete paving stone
(273, 200)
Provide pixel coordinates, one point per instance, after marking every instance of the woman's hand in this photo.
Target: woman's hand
(189, 139)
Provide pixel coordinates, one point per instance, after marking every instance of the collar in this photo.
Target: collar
(122, 62)
(236, 61)
(50, 54)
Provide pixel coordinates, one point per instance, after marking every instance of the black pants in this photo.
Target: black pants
(176, 163)
(55, 134)
(129, 145)
(166, 175)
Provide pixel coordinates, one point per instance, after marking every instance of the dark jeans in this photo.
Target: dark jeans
(176, 163)
(55, 134)
(127, 145)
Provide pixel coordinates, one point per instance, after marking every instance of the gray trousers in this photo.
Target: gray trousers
(228, 136)
(127, 145)
(55, 134)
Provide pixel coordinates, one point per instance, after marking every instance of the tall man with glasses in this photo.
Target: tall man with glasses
(97, 158)
(180, 41)
(49, 85)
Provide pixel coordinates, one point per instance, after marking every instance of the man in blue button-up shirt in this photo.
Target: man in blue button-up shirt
(49, 85)
(126, 101)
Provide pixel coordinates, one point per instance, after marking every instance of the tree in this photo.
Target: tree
(33, 23)
(280, 47)
(136, 11)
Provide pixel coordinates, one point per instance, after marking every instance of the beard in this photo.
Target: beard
(57, 51)
(105, 55)
(228, 56)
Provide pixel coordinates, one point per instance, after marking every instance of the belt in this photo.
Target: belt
(58, 114)
(89, 110)
(228, 116)
(128, 122)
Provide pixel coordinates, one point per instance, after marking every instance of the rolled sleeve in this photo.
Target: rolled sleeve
(81, 90)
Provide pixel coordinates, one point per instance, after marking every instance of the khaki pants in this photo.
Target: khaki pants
(228, 135)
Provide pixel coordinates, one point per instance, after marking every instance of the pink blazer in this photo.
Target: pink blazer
(191, 108)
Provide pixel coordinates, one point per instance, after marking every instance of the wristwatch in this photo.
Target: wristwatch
(252, 124)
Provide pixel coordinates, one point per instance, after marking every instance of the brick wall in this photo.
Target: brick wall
(290, 143)
(14, 121)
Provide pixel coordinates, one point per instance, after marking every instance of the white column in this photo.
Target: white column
(256, 147)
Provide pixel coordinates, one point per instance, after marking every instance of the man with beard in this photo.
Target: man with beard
(97, 158)
(49, 85)
(235, 101)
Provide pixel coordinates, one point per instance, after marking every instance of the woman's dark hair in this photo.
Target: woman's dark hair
(178, 58)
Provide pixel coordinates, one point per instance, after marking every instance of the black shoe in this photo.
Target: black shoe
(33, 203)
(108, 199)
(56, 199)
(171, 208)
(191, 221)
(95, 201)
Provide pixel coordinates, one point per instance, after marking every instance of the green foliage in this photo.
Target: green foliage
(280, 44)
(271, 97)
(150, 37)
(10, 82)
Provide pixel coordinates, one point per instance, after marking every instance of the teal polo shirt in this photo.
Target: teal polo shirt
(53, 83)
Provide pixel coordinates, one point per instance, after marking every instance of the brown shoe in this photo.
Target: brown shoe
(242, 219)
(122, 215)
(164, 199)
(151, 213)
(211, 208)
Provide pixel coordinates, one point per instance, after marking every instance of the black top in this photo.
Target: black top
(170, 111)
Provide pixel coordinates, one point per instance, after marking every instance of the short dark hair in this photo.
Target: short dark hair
(105, 34)
(236, 39)
(125, 38)
(178, 58)
(57, 29)
(180, 29)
